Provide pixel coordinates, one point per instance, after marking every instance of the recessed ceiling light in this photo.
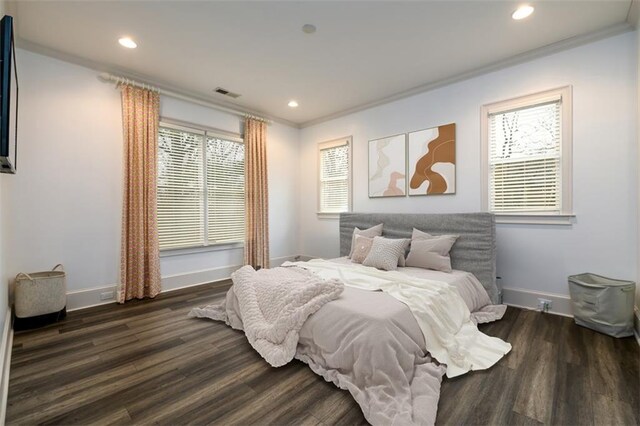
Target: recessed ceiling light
(308, 29)
(127, 42)
(522, 12)
(293, 104)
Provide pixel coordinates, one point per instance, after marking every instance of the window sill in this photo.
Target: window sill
(201, 249)
(535, 219)
(323, 215)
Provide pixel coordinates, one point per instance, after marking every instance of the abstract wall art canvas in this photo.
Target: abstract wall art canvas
(432, 161)
(388, 167)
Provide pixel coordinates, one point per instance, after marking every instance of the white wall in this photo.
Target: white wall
(64, 205)
(603, 239)
(638, 171)
(64, 202)
(4, 290)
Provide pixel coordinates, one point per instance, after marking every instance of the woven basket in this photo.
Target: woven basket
(40, 293)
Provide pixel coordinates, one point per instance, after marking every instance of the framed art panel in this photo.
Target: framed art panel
(432, 161)
(388, 167)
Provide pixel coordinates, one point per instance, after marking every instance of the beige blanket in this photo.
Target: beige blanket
(273, 305)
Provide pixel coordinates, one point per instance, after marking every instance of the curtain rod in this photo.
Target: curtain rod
(107, 77)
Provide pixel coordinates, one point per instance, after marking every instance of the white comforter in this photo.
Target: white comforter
(450, 335)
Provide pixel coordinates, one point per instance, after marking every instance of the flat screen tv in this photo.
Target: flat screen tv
(8, 98)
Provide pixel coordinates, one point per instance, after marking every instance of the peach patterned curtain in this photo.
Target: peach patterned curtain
(256, 247)
(140, 253)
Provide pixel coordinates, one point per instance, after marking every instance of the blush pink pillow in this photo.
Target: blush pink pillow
(361, 248)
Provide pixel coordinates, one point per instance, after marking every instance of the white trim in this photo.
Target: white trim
(636, 323)
(348, 141)
(199, 99)
(118, 80)
(328, 216)
(5, 361)
(540, 52)
(550, 49)
(200, 129)
(633, 16)
(181, 128)
(559, 219)
(334, 143)
(528, 299)
(201, 249)
(305, 258)
(86, 298)
(170, 90)
(178, 281)
(565, 95)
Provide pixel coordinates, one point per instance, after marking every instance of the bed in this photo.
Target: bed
(384, 347)
(474, 251)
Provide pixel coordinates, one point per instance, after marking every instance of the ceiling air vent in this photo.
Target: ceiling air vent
(226, 92)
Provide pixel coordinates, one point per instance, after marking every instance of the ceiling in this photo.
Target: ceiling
(363, 52)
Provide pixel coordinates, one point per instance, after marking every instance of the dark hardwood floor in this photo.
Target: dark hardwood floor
(146, 362)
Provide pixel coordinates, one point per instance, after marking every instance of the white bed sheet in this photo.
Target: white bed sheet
(467, 285)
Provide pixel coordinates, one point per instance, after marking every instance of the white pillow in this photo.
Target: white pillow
(385, 252)
(430, 252)
(374, 231)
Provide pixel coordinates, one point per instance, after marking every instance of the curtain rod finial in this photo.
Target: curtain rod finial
(104, 76)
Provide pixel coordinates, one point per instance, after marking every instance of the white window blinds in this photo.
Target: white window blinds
(225, 190)
(200, 188)
(525, 159)
(334, 176)
(180, 189)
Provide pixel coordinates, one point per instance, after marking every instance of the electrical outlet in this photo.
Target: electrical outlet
(544, 305)
(107, 295)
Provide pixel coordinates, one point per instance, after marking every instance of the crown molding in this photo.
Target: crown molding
(101, 67)
(633, 17)
(547, 50)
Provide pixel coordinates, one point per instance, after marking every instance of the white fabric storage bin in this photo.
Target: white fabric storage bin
(40, 293)
(603, 304)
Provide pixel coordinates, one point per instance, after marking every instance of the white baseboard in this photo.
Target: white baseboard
(277, 261)
(5, 362)
(305, 258)
(636, 323)
(178, 281)
(528, 299)
(87, 298)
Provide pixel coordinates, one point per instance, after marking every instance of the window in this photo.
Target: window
(335, 176)
(526, 144)
(200, 188)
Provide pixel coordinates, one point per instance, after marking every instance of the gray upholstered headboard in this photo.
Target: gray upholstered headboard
(474, 251)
